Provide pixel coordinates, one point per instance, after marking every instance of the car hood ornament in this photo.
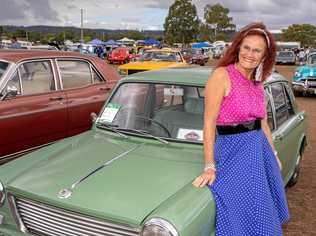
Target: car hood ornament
(64, 193)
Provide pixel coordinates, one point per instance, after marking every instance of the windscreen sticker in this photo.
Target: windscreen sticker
(110, 112)
(173, 91)
(190, 134)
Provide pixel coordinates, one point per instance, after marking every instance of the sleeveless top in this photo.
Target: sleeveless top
(245, 101)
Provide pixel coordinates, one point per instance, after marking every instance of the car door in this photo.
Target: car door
(86, 91)
(286, 134)
(38, 114)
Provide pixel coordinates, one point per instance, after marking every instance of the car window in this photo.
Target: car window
(3, 67)
(283, 107)
(14, 82)
(74, 74)
(269, 112)
(36, 77)
(96, 77)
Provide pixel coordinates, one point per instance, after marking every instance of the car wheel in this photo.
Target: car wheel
(296, 173)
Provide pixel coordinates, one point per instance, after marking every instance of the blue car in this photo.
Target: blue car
(304, 80)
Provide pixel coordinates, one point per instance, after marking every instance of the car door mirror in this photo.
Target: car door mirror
(11, 91)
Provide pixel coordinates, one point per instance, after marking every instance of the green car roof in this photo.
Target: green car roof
(189, 75)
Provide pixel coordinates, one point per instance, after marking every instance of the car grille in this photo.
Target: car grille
(311, 81)
(45, 220)
(134, 71)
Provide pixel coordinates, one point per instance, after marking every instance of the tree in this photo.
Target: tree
(216, 17)
(182, 23)
(303, 33)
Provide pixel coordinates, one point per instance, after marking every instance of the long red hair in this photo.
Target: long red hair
(257, 28)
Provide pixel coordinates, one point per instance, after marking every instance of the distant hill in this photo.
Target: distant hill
(44, 29)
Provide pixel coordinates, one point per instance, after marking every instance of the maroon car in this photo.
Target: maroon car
(120, 55)
(48, 95)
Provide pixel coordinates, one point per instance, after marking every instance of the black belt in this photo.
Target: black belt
(239, 128)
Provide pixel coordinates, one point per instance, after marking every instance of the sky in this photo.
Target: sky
(149, 14)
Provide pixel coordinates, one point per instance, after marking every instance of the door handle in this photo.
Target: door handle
(56, 98)
(300, 118)
(104, 89)
(279, 137)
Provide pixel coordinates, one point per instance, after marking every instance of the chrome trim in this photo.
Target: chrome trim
(3, 194)
(15, 213)
(42, 219)
(67, 192)
(166, 225)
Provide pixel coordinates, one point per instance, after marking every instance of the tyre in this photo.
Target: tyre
(296, 173)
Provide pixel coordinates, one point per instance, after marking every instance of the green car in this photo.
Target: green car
(132, 173)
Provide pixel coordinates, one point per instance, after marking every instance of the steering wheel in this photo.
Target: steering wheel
(132, 112)
(156, 122)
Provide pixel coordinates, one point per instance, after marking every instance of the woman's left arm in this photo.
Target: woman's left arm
(266, 129)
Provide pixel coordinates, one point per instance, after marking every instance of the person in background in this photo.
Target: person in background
(301, 56)
(242, 168)
(14, 43)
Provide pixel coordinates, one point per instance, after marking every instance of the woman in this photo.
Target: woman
(241, 165)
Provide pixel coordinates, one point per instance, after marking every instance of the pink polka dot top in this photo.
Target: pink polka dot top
(245, 101)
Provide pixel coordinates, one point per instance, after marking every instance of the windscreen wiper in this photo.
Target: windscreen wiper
(146, 133)
(110, 127)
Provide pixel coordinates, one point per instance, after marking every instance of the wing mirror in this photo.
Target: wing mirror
(11, 91)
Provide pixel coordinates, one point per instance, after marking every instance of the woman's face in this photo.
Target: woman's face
(252, 50)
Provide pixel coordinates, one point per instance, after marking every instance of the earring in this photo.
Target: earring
(258, 75)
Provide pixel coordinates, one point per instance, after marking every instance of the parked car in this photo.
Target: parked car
(285, 57)
(132, 173)
(48, 95)
(304, 79)
(194, 56)
(120, 55)
(153, 60)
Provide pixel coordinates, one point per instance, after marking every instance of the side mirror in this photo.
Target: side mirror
(11, 91)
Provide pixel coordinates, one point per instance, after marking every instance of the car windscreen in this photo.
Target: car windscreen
(163, 110)
(160, 56)
(286, 54)
(3, 67)
(312, 59)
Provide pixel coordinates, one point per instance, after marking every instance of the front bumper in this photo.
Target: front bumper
(303, 87)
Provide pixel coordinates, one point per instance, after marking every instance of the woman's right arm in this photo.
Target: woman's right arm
(215, 90)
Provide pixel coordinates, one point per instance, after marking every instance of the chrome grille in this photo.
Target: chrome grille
(45, 220)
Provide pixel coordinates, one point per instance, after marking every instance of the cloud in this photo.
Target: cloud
(149, 14)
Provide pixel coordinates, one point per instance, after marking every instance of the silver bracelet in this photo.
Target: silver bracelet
(275, 153)
(209, 166)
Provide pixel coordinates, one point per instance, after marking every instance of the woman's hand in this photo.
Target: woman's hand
(207, 177)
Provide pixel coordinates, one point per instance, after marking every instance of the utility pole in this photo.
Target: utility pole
(81, 31)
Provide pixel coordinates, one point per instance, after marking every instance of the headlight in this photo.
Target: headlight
(122, 71)
(158, 227)
(2, 194)
(297, 74)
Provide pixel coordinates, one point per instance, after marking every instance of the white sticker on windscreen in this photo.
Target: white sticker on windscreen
(173, 91)
(110, 112)
(190, 134)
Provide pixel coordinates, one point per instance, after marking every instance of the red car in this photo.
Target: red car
(48, 95)
(120, 55)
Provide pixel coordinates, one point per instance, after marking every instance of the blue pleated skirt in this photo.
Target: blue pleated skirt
(248, 190)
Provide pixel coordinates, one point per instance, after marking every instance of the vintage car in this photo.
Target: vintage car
(120, 55)
(48, 95)
(285, 58)
(304, 80)
(132, 173)
(195, 56)
(153, 60)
